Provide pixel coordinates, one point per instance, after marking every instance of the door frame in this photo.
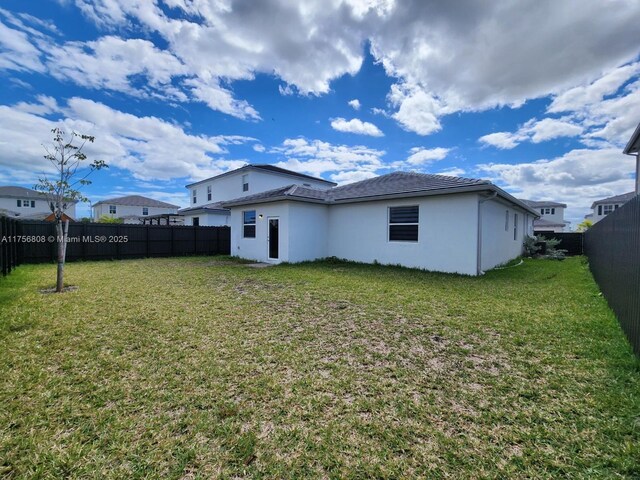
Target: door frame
(275, 217)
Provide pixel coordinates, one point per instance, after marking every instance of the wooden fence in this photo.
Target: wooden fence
(37, 242)
(613, 248)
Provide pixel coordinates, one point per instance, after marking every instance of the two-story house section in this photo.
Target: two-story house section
(551, 216)
(602, 208)
(131, 209)
(205, 196)
(29, 204)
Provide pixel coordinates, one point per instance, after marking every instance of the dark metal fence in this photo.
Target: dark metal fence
(572, 242)
(102, 241)
(9, 251)
(613, 248)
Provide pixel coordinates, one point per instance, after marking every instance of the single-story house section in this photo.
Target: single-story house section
(432, 222)
(131, 208)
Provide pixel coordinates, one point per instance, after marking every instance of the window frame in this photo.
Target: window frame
(145, 211)
(245, 182)
(515, 225)
(506, 220)
(19, 202)
(416, 224)
(208, 193)
(607, 209)
(246, 224)
(194, 196)
(114, 208)
(33, 204)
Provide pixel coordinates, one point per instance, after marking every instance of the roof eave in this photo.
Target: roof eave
(256, 167)
(633, 145)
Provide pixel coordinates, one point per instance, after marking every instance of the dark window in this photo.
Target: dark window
(145, 210)
(19, 202)
(542, 211)
(195, 221)
(112, 209)
(249, 224)
(245, 183)
(403, 224)
(209, 193)
(515, 226)
(195, 196)
(506, 220)
(553, 211)
(33, 204)
(599, 209)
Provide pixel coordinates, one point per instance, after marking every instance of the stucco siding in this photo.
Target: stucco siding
(498, 243)
(207, 219)
(257, 248)
(308, 231)
(126, 210)
(447, 234)
(41, 206)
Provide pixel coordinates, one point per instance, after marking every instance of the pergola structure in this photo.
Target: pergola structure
(163, 219)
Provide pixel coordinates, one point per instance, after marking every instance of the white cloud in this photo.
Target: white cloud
(576, 178)
(148, 147)
(357, 126)
(452, 172)
(424, 156)
(259, 148)
(342, 178)
(355, 104)
(535, 131)
(319, 158)
(417, 111)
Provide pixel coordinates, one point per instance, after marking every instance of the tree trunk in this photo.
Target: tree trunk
(62, 252)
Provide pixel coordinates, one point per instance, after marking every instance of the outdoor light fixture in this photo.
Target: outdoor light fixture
(260, 216)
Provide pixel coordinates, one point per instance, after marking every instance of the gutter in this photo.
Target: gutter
(493, 195)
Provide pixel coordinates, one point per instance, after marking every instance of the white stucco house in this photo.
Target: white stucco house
(205, 197)
(551, 216)
(432, 222)
(633, 148)
(602, 208)
(132, 209)
(26, 203)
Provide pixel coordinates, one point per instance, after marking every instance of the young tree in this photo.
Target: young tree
(585, 225)
(67, 159)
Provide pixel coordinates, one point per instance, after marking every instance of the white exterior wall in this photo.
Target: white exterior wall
(41, 206)
(123, 211)
(230, 186)
(257, 248)
(308, 229)
(207, 219)
(498, 244)
(596, 218)
(447, 233)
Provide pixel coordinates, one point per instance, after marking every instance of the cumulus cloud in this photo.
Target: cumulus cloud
(318, 158)
(355, 104)
(148, 147)
(534, 131)
(423, 156)
(357, 126)
(576, 178)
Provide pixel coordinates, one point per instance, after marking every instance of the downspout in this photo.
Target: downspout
(479, 251)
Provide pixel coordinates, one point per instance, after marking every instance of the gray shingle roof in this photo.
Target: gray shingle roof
(135, 201)
(619, 199)
(213, 207)
(392, 184)
(22, 192)
(543, 203)
(268, 168)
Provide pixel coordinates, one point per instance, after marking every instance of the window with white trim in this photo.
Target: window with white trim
(194, 196)
(19, 203)
(33, 204)
(608, 209)
(403, 224)
(145, 210)
(245, 183)
(506, 220)
(112, 209)
(208, 193)
(515, 226)
(249, 224)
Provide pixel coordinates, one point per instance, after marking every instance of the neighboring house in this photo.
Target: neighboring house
(205, 197)
(551, 216)
(633, 148)
(432, 222)
(24, 202)
(602, 208)
(132, 208)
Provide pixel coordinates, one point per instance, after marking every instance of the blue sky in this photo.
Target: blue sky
(537, 96)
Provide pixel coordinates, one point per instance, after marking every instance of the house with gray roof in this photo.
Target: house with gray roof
(132, 209)
(602, 208)
(431, 222)
(27, 203)
(551, 216)
(205, 196)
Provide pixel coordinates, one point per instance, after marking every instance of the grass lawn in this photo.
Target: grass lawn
(206, 368)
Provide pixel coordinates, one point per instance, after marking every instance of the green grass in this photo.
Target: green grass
(205, 368)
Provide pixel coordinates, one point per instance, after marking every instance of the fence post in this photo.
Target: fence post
(146, 244)
(3, 245)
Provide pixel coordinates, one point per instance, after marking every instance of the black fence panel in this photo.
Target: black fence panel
(613, 248)
(107, 241)
(10, 251)
(572, 242)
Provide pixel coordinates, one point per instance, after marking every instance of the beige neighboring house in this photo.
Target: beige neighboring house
(30, 204)
(132, 209)
(602, 208)
(551, 216)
